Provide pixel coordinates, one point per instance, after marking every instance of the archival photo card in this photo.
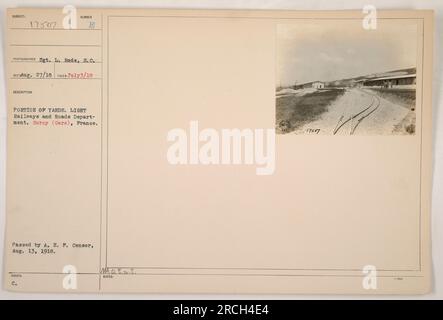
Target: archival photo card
(340, 77)
(218, 151)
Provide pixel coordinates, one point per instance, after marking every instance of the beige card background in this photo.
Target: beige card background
(333, 205)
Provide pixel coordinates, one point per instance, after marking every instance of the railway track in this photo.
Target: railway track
(358, 117)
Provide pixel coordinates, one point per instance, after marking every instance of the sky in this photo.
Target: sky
(338, 49)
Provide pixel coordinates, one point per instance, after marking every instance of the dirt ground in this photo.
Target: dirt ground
(382, 116)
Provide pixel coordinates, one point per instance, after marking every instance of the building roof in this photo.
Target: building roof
(303, 84)
(388, 78)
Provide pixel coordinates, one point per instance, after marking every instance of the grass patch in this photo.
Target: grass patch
(406, 125)
(294, 111)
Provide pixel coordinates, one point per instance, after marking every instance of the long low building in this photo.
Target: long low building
(398, 81)
(313, 84)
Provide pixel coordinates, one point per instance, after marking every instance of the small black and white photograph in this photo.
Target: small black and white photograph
(339, 78)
